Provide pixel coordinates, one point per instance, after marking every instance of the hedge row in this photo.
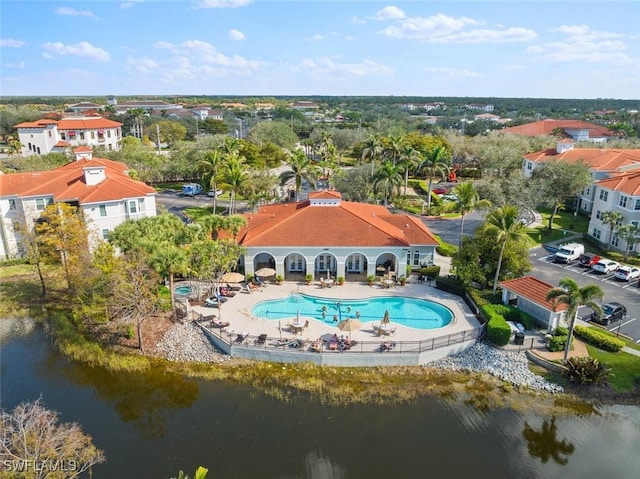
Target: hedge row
(559, 339)
(601, 340)
(498, 331)
(430, 271)
(446, 249)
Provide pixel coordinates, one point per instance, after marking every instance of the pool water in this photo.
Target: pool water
(411, 312)
(183, 290)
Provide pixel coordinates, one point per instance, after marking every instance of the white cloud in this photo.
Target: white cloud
(326, 66)
(389, 13)
(11, 43)
(512, 68)
(126, 5)
(453, 72)
(82, 49)
(583, 45)
(222, 3)
(357, 21)
(72, 12)
(317, 37)
(442, 28)
(236, 35)
(20, 65)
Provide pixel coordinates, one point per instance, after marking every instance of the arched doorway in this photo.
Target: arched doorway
(355, 267)
(325, 265)
(295, 267)
(263, 260)
(387, 264)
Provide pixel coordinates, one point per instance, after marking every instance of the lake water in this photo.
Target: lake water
(152, 425)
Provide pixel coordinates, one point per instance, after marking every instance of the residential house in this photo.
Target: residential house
(480, 106)
(83, 107)
(576, 130)
(148, 105)
(326, 236)
(603, 163)
(100, 188)
(619, 193)
(48, 136)
(529, 294)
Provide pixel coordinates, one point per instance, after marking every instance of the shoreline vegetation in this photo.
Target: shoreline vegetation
(326, 385)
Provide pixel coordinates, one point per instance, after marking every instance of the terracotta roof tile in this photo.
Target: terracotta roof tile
(546, 127)
(627, 183)
(534, 290)
(346, 224)
(597, 159)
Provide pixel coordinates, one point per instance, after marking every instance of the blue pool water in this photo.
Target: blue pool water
(411, 312)
(183, 290)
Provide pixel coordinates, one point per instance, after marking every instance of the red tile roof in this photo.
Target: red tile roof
(597, 159)
(346, 224)
(72, 123)
(627, 183)
(62, 144)
(67, 183)
(534, 290)
(546, 127)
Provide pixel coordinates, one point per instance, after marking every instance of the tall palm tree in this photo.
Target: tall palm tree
(468, 201)
(631, 235)
(436, 163)
(234, 177)
(393, 151)
(408, 159)
(505, 223)
(387, 179)
(168, 260)
(571, 294)
(373, 149)
(613, 219)
(210, 168)
(302, 168)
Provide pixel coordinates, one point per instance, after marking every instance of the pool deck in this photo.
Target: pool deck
(237, 311)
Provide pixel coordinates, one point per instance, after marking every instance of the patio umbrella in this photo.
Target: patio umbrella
(232, 277)
(350, 324)
(385, 319)
(265, 272)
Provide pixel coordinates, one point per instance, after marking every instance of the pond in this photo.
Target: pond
(151, 425)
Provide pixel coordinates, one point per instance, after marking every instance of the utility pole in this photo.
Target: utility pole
(158, 136)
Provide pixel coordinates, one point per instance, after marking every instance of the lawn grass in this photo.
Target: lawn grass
(624, 368)
(16, 270)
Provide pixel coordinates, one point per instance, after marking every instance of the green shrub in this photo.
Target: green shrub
(13, 262)
(561, 331)
(518, 316)
(498, 331)
(450, 285)
(558, 343)
(446, 249)
(586, 370)
(164, 298)
(599, 339)
(477, 297)
(130, 331)
(501, 309)
(430, 271)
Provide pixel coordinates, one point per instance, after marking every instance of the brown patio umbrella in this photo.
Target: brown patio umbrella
(265, 272)
(350, 324)
(232, 277)
(385, 319)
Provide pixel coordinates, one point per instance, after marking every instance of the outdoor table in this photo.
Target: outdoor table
(385, 328)
(328, 282)
(388, 283)
(297, 327)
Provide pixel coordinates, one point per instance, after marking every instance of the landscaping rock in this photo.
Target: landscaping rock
(187, 343)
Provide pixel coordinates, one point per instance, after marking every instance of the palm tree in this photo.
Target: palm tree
(409, 158)
(234, 177)
(387, 178)
(468, 201)
(373, 149)
(613, 219)
(168, 260)
(302, 168)
(210, 168)
(505, 222)
(396, 143)
(435, 163)
(631, 234)
(571, 294)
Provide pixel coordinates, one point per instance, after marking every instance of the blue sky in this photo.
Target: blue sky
(554, 49)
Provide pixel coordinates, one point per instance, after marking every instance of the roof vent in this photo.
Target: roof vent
(406, 225)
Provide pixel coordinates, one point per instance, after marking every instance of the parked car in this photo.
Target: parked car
(588, 260)
(627, 273)
(439, 190)
(605, 266)
(610, 312)
(569, 253)
(214, 193)
(191, 189)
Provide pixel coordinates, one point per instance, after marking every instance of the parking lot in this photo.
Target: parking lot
(624, 292)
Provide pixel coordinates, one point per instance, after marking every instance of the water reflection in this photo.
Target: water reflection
(544, 444)
(147, 400)
(321, 467)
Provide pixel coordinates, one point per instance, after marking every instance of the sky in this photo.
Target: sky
(506, 48)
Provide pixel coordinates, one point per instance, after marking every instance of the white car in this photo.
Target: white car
(214, 193)
(627, 273)
(605, 266)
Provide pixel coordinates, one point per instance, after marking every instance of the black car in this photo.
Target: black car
(610, 312)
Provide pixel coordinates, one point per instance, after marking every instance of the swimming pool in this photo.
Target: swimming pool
(411, 312)
(183, 290)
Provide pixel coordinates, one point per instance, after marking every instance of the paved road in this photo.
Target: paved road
(449, 228)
